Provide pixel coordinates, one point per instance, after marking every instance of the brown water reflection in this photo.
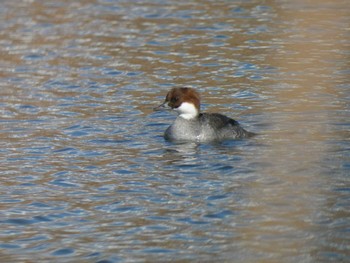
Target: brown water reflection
(86, 175)
(290, 205)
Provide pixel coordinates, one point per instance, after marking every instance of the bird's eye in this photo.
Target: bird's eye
(174, 99)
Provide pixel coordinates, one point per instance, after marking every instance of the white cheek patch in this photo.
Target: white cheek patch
(187, 110)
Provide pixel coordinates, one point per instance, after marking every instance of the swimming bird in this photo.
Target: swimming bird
(192, 125)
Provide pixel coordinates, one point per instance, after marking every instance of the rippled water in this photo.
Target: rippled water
(86, 175)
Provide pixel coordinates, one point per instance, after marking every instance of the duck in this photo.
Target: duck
(192, 125)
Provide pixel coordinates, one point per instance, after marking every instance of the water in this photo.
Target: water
(86, 175)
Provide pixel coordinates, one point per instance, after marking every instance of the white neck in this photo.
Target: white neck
(187, 111)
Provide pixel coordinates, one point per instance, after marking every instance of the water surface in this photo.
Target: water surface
(86, 175)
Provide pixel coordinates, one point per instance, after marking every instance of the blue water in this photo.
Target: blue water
(86, 175)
